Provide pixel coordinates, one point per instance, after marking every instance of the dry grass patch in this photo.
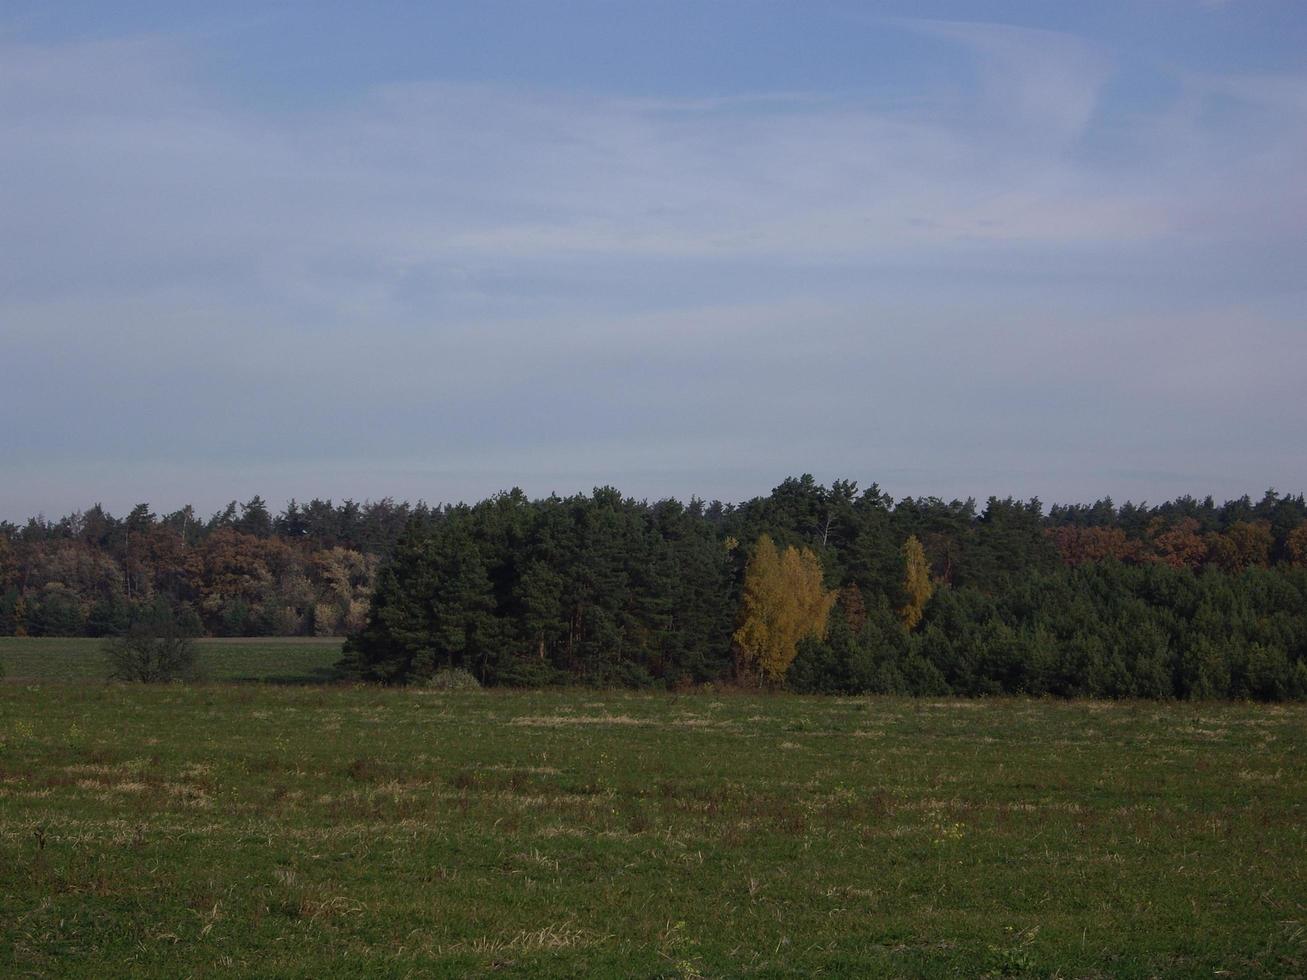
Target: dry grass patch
(563, 721)
(552, 937)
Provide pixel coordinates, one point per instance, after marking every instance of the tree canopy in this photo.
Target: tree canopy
(1183, 599)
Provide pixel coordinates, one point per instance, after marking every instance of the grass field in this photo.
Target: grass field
(285, 660)
(310, 832)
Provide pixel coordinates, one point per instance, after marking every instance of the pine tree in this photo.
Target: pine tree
(398, 637)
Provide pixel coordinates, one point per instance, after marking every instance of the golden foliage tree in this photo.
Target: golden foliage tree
(1296, 544)
(917, 585)
(1253, 541)
(784, 602)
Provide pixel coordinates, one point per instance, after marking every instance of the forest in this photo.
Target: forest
(815, 588)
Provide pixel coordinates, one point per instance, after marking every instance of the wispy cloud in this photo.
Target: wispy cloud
(493, 276)
(1281, 93)
(1044, 82)
(126, 174)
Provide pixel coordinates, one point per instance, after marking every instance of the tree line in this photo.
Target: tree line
(242, 572)
(826, 589)
(818, 588)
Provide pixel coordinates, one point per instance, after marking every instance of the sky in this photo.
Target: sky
(436, 250)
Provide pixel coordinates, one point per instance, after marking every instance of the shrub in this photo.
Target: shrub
(56, 613)
(453, 679)
(151, 654)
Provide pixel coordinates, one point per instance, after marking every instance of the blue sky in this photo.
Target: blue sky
(436, 250)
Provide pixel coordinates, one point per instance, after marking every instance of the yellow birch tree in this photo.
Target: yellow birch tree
(783, 602)
(916, 583)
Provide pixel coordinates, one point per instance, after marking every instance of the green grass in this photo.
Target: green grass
(284, 660)
(310, 832)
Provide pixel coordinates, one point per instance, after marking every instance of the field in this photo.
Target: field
(279, 660)
(317, 831)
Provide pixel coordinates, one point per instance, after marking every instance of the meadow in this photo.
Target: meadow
(309, 831)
